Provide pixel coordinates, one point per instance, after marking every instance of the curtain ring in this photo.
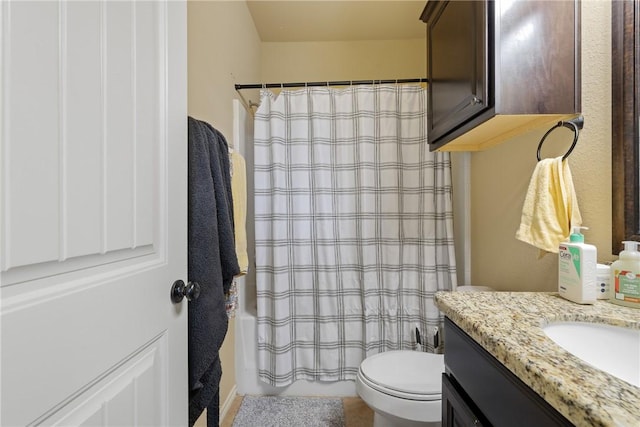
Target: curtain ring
(574, 124)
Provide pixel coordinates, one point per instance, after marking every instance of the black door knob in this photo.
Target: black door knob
(179, 290)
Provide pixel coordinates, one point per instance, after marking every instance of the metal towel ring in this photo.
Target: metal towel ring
(573, 124)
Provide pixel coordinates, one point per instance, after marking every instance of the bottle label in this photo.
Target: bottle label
(569, 265)
(627, 285)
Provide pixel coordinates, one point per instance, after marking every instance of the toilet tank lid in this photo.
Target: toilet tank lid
(473, 288)
(406, 371)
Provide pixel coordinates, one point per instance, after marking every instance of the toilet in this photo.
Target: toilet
(404, 387)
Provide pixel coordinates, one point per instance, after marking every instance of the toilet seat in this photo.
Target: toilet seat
(404, 374)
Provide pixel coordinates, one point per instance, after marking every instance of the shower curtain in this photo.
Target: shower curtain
(353, 223)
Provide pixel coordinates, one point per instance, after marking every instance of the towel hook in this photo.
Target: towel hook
(574, 124)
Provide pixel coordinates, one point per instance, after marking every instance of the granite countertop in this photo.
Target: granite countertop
(507, 325)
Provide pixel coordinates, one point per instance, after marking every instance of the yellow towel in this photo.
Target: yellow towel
(239, 194)
(550, 206)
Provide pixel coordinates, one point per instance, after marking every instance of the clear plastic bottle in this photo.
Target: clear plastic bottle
(625, 277)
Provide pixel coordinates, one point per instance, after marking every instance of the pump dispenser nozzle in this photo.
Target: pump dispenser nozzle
(576, 236)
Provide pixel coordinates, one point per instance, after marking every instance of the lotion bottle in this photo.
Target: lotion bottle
(577, 269)
(625, 277)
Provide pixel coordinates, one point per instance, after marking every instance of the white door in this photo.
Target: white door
(93, 205)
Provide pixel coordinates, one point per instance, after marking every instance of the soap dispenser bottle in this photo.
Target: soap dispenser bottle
(577, 269)
(625, 277)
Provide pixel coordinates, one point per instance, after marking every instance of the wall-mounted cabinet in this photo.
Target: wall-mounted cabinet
(500, 68)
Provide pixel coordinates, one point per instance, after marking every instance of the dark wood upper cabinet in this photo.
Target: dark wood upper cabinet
(499, 68)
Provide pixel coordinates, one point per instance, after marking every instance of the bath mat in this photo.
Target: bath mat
(279, 411)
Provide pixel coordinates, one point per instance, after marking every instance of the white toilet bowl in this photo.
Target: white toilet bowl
(403, 387)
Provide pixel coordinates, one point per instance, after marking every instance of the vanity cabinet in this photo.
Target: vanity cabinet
(478, 390)
(499, 68)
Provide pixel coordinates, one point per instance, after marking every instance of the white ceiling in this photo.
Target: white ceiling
(328, 20)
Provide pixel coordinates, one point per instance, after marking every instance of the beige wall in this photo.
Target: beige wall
(358, 60)
(223, 49)
(500, 177)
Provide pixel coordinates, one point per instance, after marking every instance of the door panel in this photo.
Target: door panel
(83, 207)
(127, 397)
(26, 54)
(94, 157)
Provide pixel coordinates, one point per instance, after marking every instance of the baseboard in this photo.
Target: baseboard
(224, 409)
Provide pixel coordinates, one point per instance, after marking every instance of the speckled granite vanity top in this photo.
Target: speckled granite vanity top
(507, 325)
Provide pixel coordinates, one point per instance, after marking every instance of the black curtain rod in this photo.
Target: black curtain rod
(330, 83)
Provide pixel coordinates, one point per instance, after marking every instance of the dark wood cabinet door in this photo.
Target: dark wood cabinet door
(457, 63)
(456, 411)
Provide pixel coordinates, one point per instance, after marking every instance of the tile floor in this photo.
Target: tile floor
(356, 413)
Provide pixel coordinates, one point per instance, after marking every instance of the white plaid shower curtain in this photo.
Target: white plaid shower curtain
(353, 222)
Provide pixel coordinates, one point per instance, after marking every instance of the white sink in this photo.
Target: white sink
(613, 349)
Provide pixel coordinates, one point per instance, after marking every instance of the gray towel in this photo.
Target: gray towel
(212, 262)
